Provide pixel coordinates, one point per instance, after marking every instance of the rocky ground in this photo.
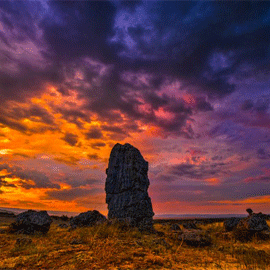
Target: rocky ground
(177, 244)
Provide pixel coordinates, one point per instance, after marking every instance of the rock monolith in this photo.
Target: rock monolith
(126, 187)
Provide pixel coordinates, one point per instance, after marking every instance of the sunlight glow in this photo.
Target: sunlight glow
(5, 151)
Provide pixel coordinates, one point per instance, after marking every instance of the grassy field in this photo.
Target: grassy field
(109, 247)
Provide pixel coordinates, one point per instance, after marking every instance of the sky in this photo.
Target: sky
(185, 82)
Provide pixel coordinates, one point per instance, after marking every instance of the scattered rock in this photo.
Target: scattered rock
(250, 211)
(122, 223)
(190, 226)
(3, 231)
(5, 213)
(76, 242)
(159, 233)
(231, 223)
(126, 187)
(255, 222)
(30, 222)
(161, 241)
(62, 218)
(23, 241)
(175, 227)
(264, 235)
(248, 227)
(195, 238)
(62, 225)
(87, 219)
(225, 235)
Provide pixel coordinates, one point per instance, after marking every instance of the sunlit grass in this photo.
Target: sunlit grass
(111, 247)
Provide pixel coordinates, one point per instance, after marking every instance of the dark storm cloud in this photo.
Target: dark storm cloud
(4, 183)
(210, 195)
(205, 45)
(13, 124)
(260, 106)
(73, 115)
(93, 156)
(203, 105)
(89, 26)
(26, 82)
(98, 145)
(18, 16)
(197, 171)
(94, 133)
(202, 43)
(69, 160)
(80, 181)
(72, 194)
(130, 5)
(263, 154)
(259, 179)
(193, 171)
(40, 179)
(247, 105)
(12, 117)
(23, 72)
(71, 139)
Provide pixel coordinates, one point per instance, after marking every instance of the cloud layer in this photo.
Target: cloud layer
(185, 82)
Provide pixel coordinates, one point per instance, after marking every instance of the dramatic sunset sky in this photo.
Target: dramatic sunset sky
(187, 83)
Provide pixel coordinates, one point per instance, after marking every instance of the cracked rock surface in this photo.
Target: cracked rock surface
(126, 187)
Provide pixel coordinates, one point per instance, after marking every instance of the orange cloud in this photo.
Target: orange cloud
(212, 181)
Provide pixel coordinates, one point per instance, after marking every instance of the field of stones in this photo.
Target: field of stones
(90, 242)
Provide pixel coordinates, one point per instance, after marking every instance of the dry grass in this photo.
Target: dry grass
(109, 247)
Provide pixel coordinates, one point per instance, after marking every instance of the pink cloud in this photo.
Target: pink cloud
(261, 178)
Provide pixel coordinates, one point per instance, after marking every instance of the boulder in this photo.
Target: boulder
(23, 241)
(250, 211)
(249, 226)
(190, 225)
(76, 241)
(63, 225)
(5, 213)
(254, 222)
(3, 231)
(195, 238)
(126, 187)
(231, 223)
(175, 227)
(161, 241)
(30, 222)
(87, 219)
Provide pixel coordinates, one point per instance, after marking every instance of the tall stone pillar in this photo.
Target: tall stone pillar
(126, 187)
